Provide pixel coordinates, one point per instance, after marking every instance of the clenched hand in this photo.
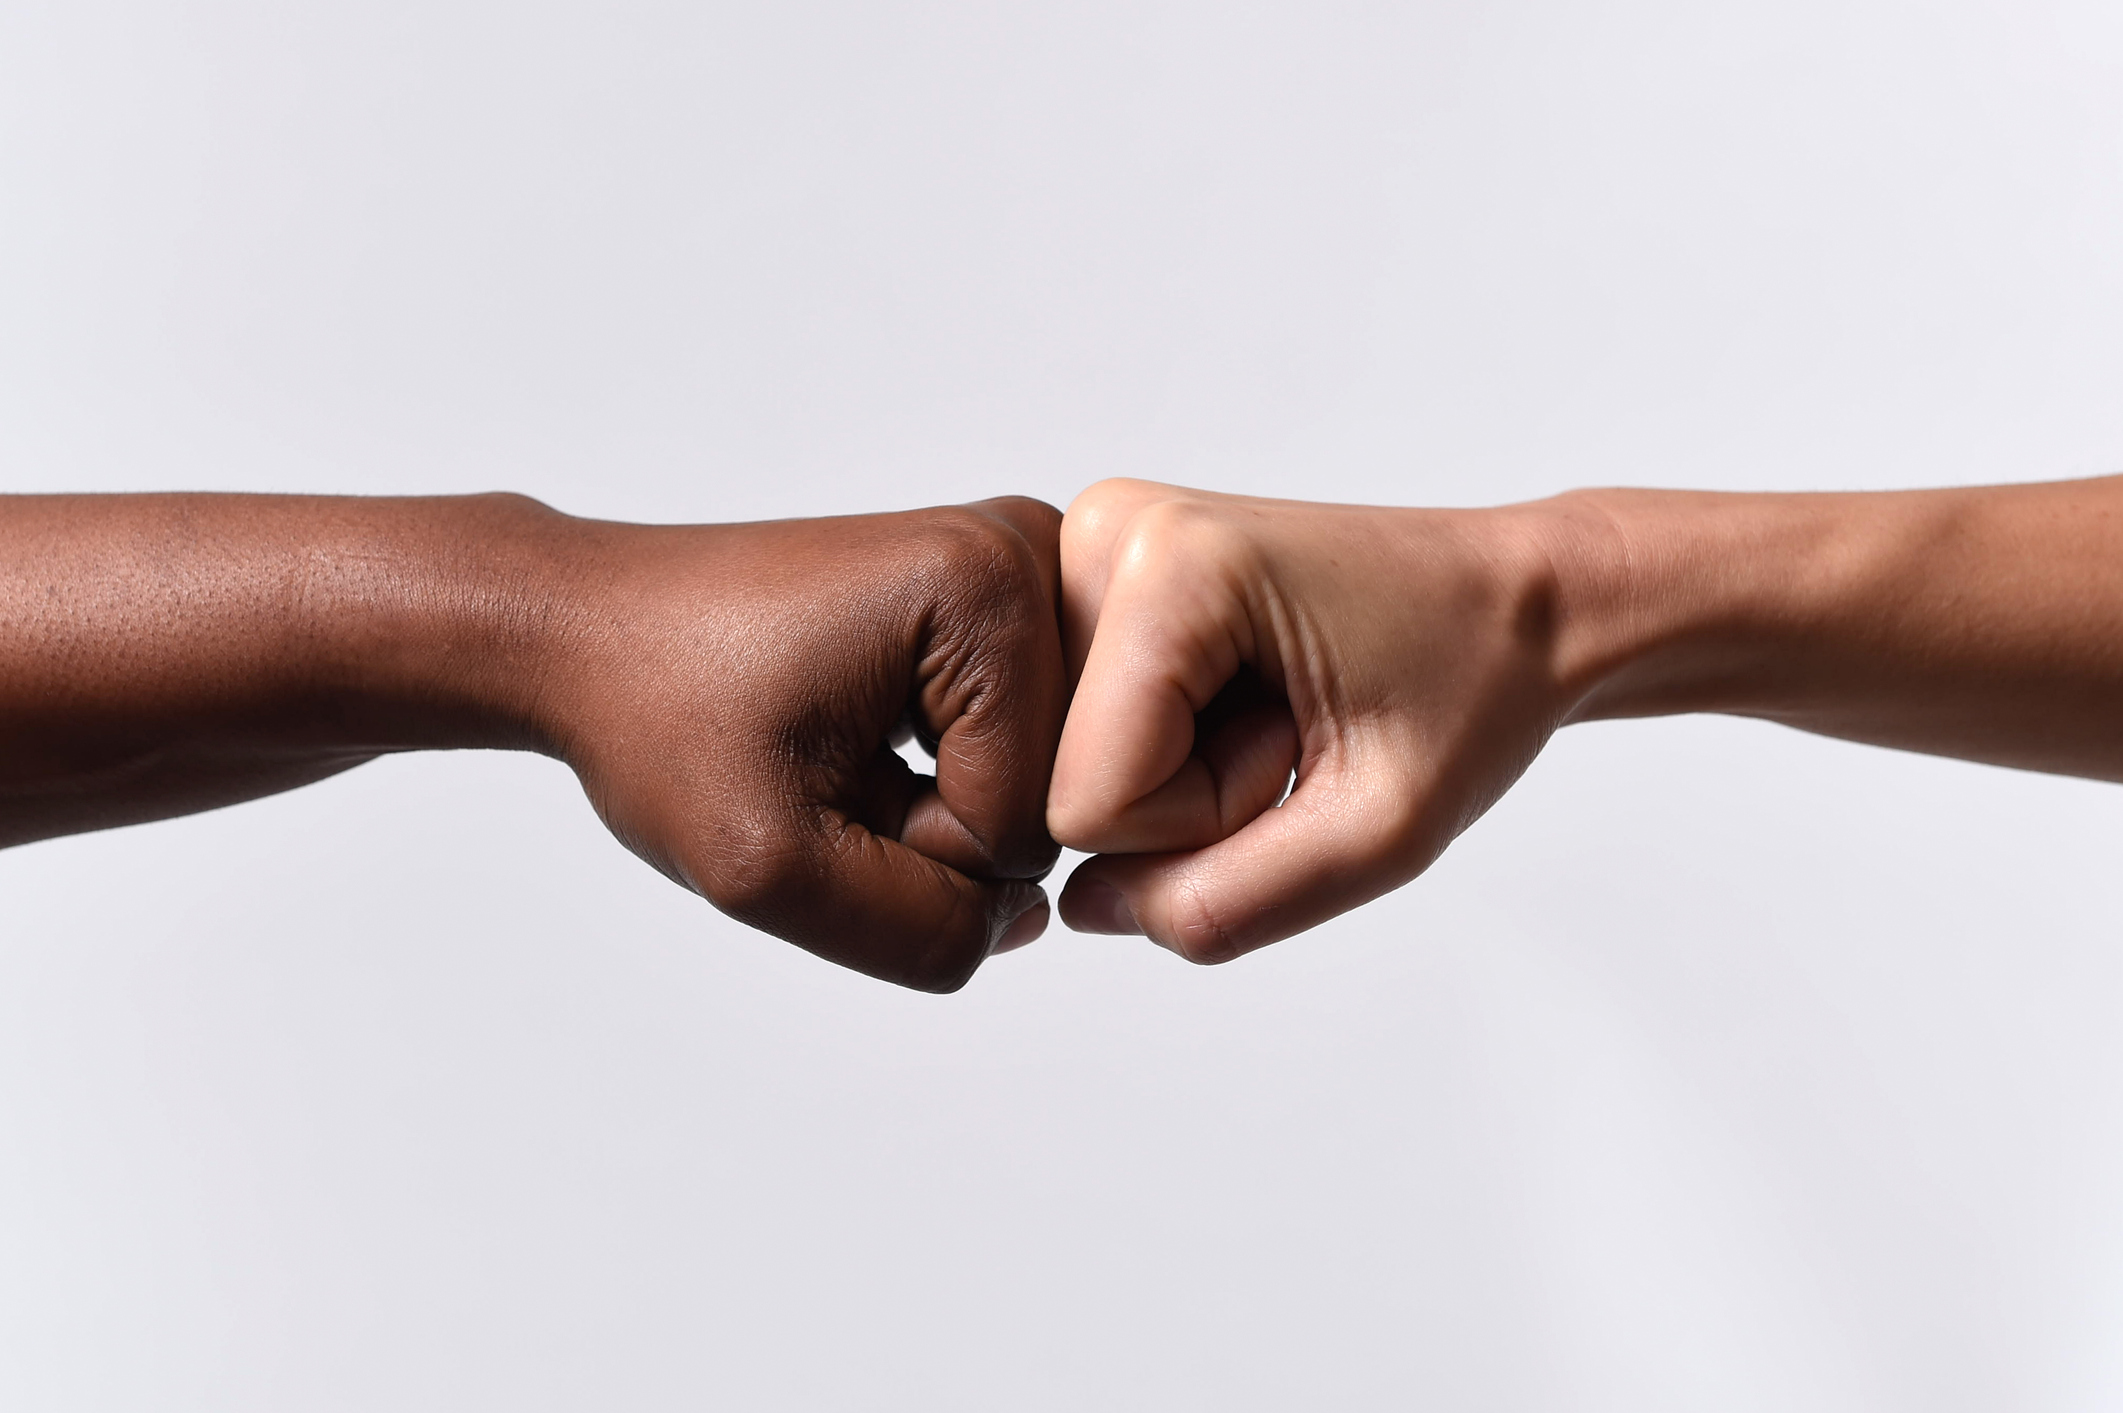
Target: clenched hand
(729, 696)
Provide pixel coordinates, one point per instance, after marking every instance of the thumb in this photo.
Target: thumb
(866, 901)
(1336, 843)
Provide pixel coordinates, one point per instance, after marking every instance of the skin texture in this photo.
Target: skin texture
(1408, 665)
(728, 694)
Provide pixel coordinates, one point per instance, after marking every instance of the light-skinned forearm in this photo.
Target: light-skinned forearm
(1980, 623)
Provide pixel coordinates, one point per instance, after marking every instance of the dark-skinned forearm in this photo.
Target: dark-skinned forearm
(161, 654)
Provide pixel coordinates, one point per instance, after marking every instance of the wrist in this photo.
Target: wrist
(1684, 601)
(438, 621)
(1668, 602)
(1598, 554)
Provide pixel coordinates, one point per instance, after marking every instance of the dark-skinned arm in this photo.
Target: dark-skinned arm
(727, 693)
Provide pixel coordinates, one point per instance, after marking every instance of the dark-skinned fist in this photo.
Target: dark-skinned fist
(730, 696)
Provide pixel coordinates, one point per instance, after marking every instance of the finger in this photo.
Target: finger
(1025, 930)
(1239, 766)
(1038, 524)
(1330, 847)
(1248, 754)
(1173, 630)
(993, 689)
(1089, 532)
(855, 897)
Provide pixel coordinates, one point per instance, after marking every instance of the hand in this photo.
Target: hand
(729, 696)
(1398, 661)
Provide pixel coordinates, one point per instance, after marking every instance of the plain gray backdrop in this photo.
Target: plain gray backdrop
(1718, 1068)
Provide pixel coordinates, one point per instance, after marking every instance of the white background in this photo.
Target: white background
(1719, 1068)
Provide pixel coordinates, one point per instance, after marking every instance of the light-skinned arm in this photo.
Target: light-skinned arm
(726, 693)
(1408, 665)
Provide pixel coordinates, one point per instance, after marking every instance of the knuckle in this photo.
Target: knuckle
(1175, 539)
(1199, 931)
(975, 557)
(969, 533)
(1102, 508)
(1029, 515)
